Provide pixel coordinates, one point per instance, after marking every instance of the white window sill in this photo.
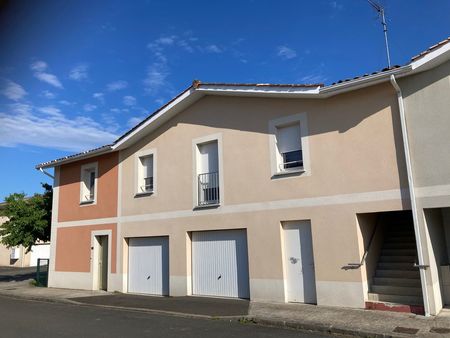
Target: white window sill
(291, 172)
(85, 203)
(143, 194)
(207, 206)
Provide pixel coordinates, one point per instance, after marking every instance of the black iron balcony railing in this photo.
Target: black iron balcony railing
(148, 184)
(208, 189)
(292, 160)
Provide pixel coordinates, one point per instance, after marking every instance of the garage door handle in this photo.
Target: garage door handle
(148, 277)
(220, 276)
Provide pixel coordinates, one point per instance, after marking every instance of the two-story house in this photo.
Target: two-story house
(284, 193)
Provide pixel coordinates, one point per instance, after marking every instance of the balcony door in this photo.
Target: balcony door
(208, 174)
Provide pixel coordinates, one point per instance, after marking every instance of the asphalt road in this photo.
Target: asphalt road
(24, 318)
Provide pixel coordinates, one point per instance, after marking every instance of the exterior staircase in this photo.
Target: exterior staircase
(396, 280)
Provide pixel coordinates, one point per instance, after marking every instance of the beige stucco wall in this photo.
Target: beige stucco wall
(354, 146)
(427, 101)
(355, 149)
(5, 254)
(427, 105)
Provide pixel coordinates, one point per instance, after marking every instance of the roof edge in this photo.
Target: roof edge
(76, 157)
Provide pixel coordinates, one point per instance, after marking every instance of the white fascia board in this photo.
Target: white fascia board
(362, 82)
(162, 116)
(266, 91)
(432, 59)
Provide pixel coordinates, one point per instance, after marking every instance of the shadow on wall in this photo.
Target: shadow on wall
(415, 83)
(336, 114)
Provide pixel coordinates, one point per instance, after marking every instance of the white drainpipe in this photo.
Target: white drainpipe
(412, 195)
(46, 173)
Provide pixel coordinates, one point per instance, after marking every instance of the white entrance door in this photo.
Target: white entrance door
(299, 262)
(220, 263)
(148, 265)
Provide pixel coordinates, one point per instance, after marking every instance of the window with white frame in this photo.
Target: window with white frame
(145, 174)
(208, 173)
(289, 145)
(88, 183)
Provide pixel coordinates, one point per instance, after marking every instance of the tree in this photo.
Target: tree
(29, 219)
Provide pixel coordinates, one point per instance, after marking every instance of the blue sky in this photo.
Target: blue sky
(76, 74)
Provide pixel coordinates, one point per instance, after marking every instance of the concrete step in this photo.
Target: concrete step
(409, 300)
(399, 252)
(411, 274)
(398, 259)
(399, 245)
(396, 290)
(396, 266)
(400, 240)
(414, 282)
(399, 234)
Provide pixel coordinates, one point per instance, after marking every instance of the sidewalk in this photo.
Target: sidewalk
(346, 322)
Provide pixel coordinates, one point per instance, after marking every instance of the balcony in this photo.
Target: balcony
(148, 184)
(292, 160)
(208, 189)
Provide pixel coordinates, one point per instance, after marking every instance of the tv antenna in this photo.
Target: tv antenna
(380, 11)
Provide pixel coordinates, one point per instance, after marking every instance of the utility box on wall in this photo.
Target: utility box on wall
(445, 273)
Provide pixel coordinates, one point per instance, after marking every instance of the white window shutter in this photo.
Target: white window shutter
(288, 138)
(147, 164)
(209, 160)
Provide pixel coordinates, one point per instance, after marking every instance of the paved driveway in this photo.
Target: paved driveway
(23, 318)
(212, 307)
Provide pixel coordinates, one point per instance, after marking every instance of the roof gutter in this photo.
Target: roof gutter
(422, 265)
(73, 158)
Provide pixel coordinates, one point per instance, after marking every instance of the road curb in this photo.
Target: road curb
(320, 328)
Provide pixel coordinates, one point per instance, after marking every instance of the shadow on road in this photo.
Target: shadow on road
(8, 274)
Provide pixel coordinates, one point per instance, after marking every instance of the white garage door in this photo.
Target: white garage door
(220, 263)
(148, 265)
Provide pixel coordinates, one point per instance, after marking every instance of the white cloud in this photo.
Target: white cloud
(48, 94)
(79, 73)
(129, 100)
(110, 122)
(39, 68)
(336, 5)
(166, 40)
(49, 78)
(66, 103)
(156, 79)
(117, 85)
(286, 53)
(132, 122)
(213, 49)
(23, 124)
(186, 45)
(99, 96)
(89, 107)
(12, 90)
(50, 110)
